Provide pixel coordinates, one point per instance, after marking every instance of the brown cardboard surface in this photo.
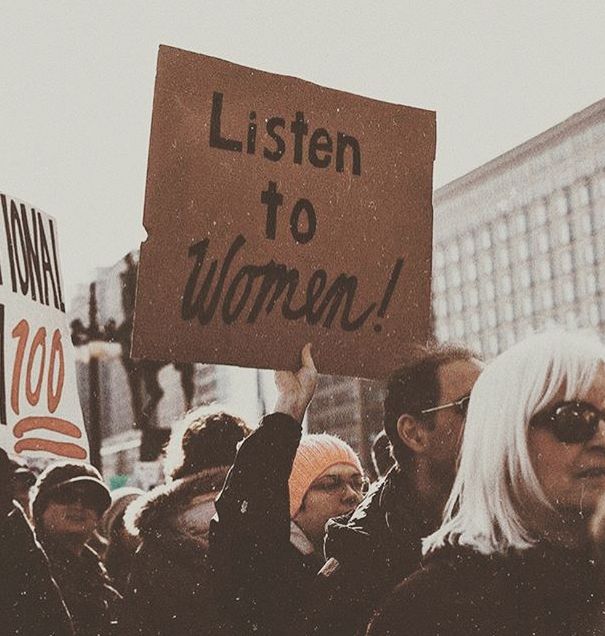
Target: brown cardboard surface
(372, 234)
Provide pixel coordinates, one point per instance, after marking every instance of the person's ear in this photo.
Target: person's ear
(412, 433)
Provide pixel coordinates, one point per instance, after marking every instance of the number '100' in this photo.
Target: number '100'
(35, 354)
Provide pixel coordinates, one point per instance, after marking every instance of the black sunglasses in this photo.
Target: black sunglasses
(571, 422)
(69, 494)
(460, 405)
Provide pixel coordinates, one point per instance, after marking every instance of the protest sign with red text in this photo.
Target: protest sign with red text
(40, 411)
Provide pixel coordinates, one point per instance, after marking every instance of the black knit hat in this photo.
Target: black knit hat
(61, 474)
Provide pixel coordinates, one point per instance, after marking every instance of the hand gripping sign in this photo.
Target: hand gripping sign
(281, 212)
(39, 408)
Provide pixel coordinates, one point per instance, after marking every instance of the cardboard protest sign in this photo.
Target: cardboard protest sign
(39, 408)
(280, 212)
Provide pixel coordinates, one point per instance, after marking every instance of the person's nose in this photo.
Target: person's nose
(598, 439)
(350, 495)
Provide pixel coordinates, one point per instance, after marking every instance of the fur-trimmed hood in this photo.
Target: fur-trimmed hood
(177, 514)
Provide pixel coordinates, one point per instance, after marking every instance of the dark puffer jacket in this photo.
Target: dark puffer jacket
(542, 591)
(30, 602)
(264, 567)
(93, 603)
(169, 589)
(369, 553)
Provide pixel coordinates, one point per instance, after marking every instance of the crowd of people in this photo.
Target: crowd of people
(487, 517)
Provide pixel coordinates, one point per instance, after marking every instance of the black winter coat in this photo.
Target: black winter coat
(92, 602)
(261, 579)
(168, 593)
(369, 553)
(459, 592)
(30, 602)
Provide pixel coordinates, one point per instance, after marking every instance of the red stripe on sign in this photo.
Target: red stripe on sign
(64, 449)
(55, 424)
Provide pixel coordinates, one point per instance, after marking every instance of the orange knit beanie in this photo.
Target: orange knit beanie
(315, 454)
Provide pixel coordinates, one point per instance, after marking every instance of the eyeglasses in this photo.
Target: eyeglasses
(69, 495)
(571, 422)
(332, 484)
(460, 405)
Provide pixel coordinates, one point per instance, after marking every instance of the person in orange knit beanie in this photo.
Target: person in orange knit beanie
(266, 540)
(326, 481)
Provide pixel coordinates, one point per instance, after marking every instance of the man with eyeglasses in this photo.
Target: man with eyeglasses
(380, 543)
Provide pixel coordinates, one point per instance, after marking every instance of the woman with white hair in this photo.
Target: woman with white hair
(514, 553)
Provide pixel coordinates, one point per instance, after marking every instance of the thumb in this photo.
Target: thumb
(307, 358)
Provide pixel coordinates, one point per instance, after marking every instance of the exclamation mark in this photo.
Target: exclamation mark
(388, 292)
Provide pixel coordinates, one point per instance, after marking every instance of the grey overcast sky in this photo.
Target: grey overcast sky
(76, 86)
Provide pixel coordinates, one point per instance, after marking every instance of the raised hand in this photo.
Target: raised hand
(295, 390)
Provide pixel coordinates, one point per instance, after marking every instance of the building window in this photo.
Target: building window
(582, 195)
(492, 343)
(560, 205)
(441, 307)
(475, 324)
(506, 284)
(585, 223)
(547, 299)
(593, 315)
(472, 297)
(591, 283)
(456, 302)
(527, 306)
(503, 257)
(508, 336)
(501, 230)
(525, 278)
(589, 254)
(470, 271)
(545, 271)
(486, 264)
(520, 223)
(538, 214)
(542, 241)
(439, 283)
(564, 234)
(454, 276)
(570, 320)
(443, 333)
(566, 262)
(492, 320)
(486, 239)
(522, 250)
(459, 328)
(453, 253)
(569, 292)
(488, 290)
(468, 245)
(439, 259)
(507, 311)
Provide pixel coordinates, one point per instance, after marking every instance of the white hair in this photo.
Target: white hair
(496, 480)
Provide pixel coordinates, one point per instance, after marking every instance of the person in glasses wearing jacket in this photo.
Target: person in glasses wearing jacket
(67, 503)
(514, 554)
(380, 543)
(267, 537)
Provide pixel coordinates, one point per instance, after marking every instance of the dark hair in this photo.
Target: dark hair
(415, 387)
(381, 454)
(60, 474)
(205, 440)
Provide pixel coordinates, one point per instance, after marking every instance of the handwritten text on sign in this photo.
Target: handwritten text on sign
(280, 212)
(39, 408)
